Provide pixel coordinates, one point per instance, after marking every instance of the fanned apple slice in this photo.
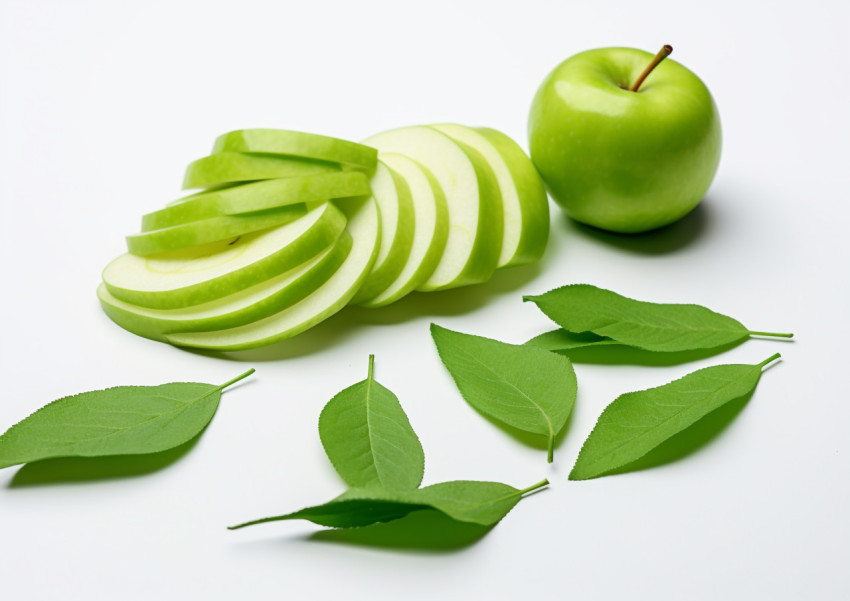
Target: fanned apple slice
(245, 306)
(259, 196)
(230, 167)
(431, 229)
(472, 195)
(526, 206)
(205, 231)
(395, 206)
(364, 225)
(201, 274)
(301, 144)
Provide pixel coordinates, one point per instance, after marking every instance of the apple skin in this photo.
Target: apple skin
(619, 160)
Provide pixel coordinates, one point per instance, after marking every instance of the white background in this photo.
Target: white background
(102, 104)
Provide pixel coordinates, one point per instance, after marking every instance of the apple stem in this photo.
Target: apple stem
(662, 54)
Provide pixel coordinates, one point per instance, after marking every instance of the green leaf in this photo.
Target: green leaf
(368, 437)
(483, 503)
(562, 341)
(649, 326)
(525, 387)
(477, 502)
(637, 422)
(125, 420)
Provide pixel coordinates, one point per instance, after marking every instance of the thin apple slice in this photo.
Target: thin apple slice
(395, 206)
(472, 195)
(259, 196)
(230, 167)
(299, 144)
(205, 231)
(364, 225)
(201, 274)
(431, 229)
(526, 206)
(253, 303)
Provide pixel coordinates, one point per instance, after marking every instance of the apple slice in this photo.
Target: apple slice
(258, 301)
(201, 274)
(395, 206)
(259, 196)
(431, 229)
(472, 195)
(205, 231)
(229, 167)
(526, 206)
(364, 225)
(299, 144)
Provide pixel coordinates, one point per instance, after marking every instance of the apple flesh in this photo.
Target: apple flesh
(229, 167)
(259, 196)
(621, 160)
(430, 230)
(364, 225)
(298, 144)
(395, 205)
(472, 196)
(205, 231)
(524, 200)
(204, 273)
(431, 217)
(253, 303)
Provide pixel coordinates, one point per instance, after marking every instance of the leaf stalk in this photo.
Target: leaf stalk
(236, 379)
(533, 487)
(769, 360)
(772, 334)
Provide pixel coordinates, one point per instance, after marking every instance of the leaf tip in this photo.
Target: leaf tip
(574, 477)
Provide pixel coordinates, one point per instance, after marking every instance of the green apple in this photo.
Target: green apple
(472, 196)
(395, 205)
(364, 225)
(259, 196)
(430, 229)
(205, 231)
(524, 200)
(229, 167)
(299, 144)
(624, 141)
(253, 303)
(204, 273)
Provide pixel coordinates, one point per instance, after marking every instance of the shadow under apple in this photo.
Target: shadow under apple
(667, 239)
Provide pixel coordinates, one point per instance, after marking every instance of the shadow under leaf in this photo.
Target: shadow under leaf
(426, 530)
(72, 470)
(616, 354)
(530, 439)
(688, 441)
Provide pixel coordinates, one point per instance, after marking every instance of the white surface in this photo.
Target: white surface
(102, 104)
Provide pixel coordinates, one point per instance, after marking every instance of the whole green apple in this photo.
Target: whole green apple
(624, 141)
